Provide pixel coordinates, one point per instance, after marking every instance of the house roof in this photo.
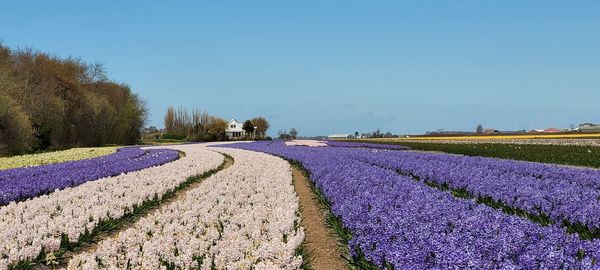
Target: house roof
(552, 130)
(238, 126)
(233, 121)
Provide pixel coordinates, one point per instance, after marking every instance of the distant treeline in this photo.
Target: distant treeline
(198, 125)
(48, 102)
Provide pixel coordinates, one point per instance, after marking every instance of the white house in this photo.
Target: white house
(234, 130)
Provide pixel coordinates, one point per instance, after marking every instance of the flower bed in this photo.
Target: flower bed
(578, 155)
(518, 141)
(44, 224)
(558, 194)
(309, 143)
(244, 217)
(23, 183)
(366, 145)
(54, 157)
(397, 221)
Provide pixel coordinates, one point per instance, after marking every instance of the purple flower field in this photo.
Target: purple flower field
(561, 193)
(398, 221)
(23, 183)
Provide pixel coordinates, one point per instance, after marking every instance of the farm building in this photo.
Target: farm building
(552, 130)
(587, 127)
(234, 130)
(547, 130)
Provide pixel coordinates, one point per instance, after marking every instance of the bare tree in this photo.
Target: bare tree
(293, 133)
(216, 128)
(261, 124)
(170, 120)
(479, 129)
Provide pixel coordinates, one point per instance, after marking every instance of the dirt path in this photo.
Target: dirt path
(228, 161)
(320, 240)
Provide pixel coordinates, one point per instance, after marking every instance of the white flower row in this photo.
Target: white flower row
(541, 141)
(311, 143)
(244, 217)
(29, 226)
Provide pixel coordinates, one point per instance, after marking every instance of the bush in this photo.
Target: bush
(168, 136)
(15, 128)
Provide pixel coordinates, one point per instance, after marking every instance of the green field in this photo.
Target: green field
(588, 156)
(161, 141)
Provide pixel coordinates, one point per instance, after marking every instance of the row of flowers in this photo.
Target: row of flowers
(399, 222)
(366, 145)
(309, 143)
(543, 141)
(347, 144)
(244, 217)
(557, 192)
(42, 224)
(54, 157)
(22, 183)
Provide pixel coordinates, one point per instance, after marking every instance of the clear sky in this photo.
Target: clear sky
(337, 66)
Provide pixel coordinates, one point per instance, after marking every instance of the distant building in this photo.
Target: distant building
(553, 130)
(339, 136)
(589, 127)
(234, 130)
(548, 130)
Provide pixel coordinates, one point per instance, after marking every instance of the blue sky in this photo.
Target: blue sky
(337, 66)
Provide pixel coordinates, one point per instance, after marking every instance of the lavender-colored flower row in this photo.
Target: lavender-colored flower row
(536, 189)
(366, 145)
(410, 225)
(23, 183)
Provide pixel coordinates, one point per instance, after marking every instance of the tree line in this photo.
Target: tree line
(287, 135)
(196, 125)
(48, 103)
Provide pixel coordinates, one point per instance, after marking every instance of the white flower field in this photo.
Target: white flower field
(30, 226)
(239, 218)
(242, 217)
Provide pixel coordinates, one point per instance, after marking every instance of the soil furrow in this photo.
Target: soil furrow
(320, 241)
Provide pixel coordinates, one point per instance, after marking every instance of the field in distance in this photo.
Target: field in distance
(574, 149)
